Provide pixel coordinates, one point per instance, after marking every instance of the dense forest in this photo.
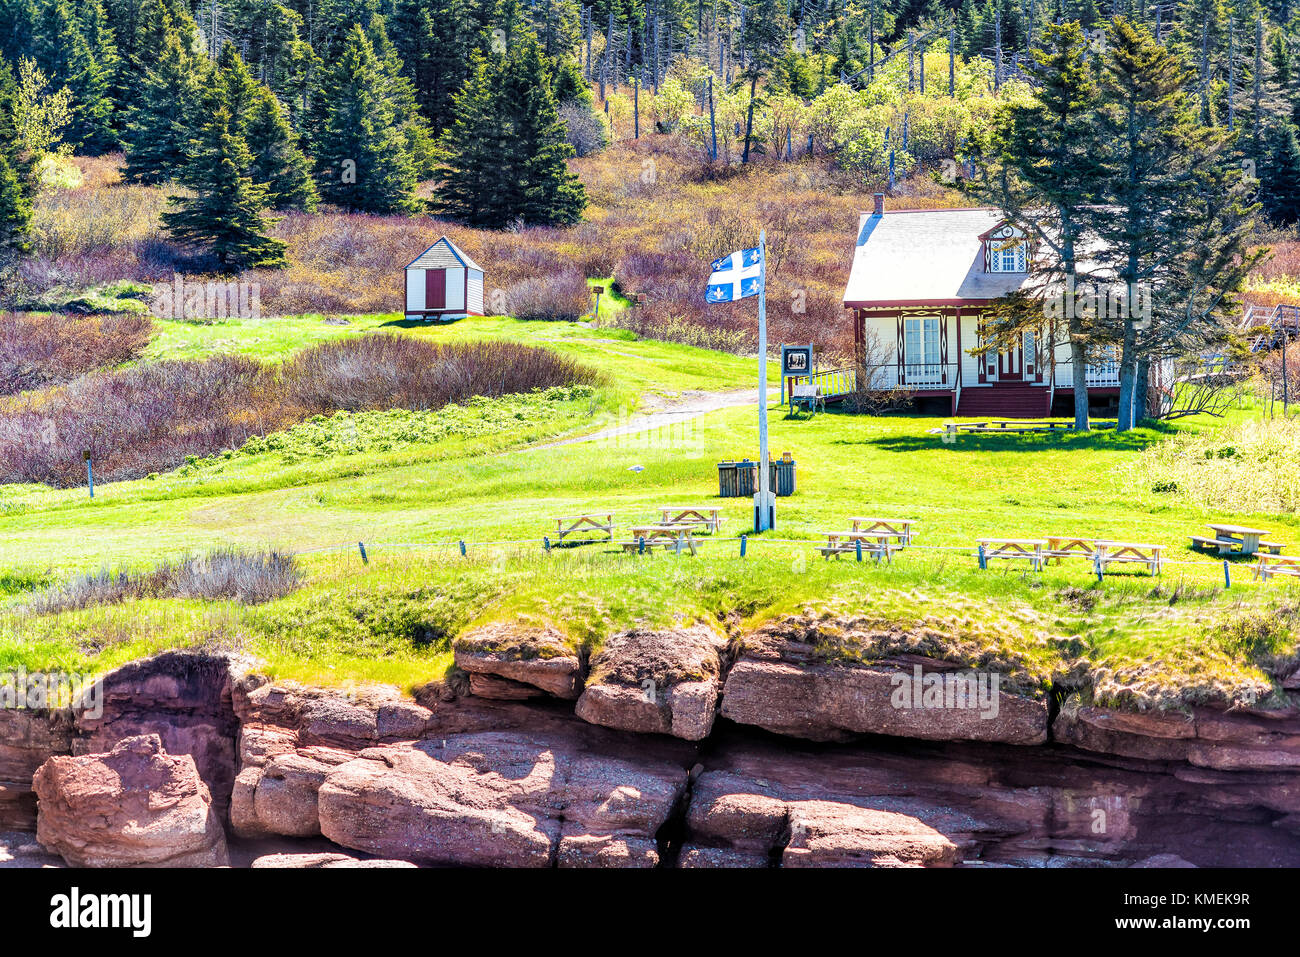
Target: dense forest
(470, 109)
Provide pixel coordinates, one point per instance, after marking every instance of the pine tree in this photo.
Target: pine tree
(477, 188)
(363, 159)
(1042, 171)
(552, 194)
(278, 162)
(1280, 177)
(15, 178)
(1177, 224)
(17, 26)
(506, 151)
(67, 58)
(225, 214)
(158, 125)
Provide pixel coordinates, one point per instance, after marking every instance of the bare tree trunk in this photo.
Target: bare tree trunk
(1079, 374)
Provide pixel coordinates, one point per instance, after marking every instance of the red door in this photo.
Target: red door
(435, 289)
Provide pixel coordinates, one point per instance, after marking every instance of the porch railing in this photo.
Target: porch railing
(913, 375)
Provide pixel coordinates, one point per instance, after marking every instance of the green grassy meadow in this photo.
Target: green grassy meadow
(1130, 639)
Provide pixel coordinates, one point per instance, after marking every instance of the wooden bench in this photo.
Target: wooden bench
(876, 544)
(587, 522)
(692, 515)
(687, 544)
(1232, 546)
(1269, 565)
(1030, 549)
(1059, 547)
(1136, 553)
(899, 528)
(1203, 543)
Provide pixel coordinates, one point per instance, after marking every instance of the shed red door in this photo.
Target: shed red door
(435, 289)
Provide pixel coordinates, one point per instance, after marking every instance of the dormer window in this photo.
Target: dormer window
(1009, 258)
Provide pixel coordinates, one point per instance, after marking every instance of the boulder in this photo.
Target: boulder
(133, 806)
(836, 700)
(184, 698)
(500, 799)
(325, 860)
(656, 682)
(512, 661)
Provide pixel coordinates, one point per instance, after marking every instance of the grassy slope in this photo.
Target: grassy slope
(391, 620)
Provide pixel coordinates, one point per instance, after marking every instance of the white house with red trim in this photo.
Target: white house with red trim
(444, 283)
(920, 284)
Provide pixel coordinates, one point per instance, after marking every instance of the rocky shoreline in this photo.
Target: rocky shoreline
(675, 748)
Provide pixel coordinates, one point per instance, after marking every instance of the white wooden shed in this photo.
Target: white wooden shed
(443, 284)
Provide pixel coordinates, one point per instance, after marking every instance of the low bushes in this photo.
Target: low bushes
(39, 350)
(156, 417)
(232, 574)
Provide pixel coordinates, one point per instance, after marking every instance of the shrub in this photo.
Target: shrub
(584, 130)
(388, 371)
(37, 351)
(158, 416)
(232, 574)
(563, 295)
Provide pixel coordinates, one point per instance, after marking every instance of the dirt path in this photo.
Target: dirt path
(661, 411)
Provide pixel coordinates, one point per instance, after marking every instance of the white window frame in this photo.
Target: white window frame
(1010, 259)
(922, 351)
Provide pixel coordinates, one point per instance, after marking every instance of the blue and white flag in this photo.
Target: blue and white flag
(736, 276)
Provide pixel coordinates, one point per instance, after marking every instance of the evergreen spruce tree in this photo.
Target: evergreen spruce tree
(15, 179)
(17, 26)
(551, 194)
(1280, 177)
(67, 58)
(399, 93)
(1042, 170)
(225, 214)
(477, 187)
(506, 152)
(363, 159)
(170, 94)
(1178, 224)
(278, 162)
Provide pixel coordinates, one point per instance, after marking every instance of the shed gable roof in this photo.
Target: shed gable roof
(444, 254)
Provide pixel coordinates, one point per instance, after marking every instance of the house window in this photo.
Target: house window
(1010, 258)
(921, 351)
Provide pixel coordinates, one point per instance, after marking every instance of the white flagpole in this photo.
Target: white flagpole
(762, 518)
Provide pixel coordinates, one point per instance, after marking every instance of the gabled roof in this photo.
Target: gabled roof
(444, 254)
(925, 257)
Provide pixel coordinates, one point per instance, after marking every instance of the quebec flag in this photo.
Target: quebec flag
(735, 276)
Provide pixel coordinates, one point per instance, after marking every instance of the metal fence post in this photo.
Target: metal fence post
(744, 540)
(365, 560)
(462, 548)
(1227, 575)
(984, 561)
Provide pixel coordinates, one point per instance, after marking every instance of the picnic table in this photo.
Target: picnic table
(1128, 552)
(900, 528)
(662, 536)
(1270, 565)
(705, 517)
(586, 522)
(1012, 548)
(1227, 537)
(873, 543)
(1060, 546)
